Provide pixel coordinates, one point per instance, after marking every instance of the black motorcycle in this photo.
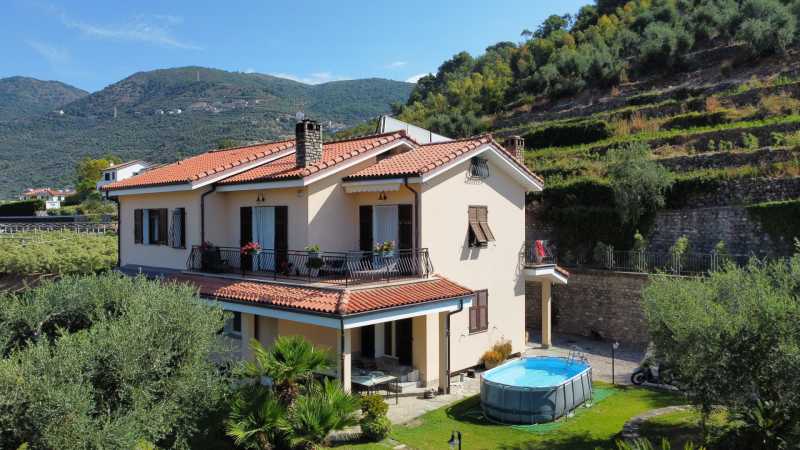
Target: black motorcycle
(653, 374)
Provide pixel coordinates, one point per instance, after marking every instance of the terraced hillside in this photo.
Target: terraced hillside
(730, 136)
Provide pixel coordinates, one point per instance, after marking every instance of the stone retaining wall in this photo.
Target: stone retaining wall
(720, 160)
(705, 227)
(745, 191)
(595, 303)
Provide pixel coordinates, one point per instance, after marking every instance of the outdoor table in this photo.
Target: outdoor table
(373, 383)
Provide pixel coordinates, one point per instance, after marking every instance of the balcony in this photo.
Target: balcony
(537, 253)
(335, 268)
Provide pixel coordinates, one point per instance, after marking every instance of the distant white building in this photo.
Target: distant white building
(52, 197)
(118, 172)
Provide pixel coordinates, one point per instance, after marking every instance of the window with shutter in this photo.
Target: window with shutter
(177, 231)
(245, 234)
(282, 238)
(479, 312)
(480, 234)
(138, 228)
(163, 226)
(152, 226)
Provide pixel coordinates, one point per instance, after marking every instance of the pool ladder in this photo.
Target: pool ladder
(576, 355)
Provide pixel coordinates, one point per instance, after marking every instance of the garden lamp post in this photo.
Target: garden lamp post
(455, 440)
(614, 347)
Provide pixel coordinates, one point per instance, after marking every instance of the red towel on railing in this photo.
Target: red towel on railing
(540, 249)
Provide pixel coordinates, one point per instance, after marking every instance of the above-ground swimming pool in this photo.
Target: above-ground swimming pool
(534, 390)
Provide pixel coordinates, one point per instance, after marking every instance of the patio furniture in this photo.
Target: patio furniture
(375, 381)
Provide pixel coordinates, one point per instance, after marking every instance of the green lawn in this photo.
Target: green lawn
(681, 427)
(594, 427)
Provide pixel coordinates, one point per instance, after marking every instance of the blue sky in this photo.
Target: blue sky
(91, 44)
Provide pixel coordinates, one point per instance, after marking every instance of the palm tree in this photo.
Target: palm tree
(256, 419)
(324, 408)
(290, 361)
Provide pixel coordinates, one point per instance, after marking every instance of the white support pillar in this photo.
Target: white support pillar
(345, 360)
(425, 351)
(444, 355)
(546, 314)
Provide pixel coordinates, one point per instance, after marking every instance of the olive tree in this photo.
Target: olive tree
(639, 183)
(107, 362)
(733, 339)
(767, 27)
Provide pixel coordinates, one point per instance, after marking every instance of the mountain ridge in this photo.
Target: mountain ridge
(166, 114)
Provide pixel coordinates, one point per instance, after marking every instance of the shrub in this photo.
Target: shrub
(768, 27)
(563, 135)
(697, 119)
(376, 429)
(782, 103)
(750, 141)
(664, 44)
(107, 361)
(374, 405)
(503, 348)
(492, 358)
(23, 208)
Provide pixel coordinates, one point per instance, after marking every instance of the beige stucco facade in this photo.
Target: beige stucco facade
(324, 213)
(444, 232)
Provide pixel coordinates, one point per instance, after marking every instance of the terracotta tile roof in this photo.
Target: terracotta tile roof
(327, 301)
(332, 154)
(427, 157)
(32, 192)
(201, 166)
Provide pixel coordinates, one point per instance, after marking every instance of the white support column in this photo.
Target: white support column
(345, 360)
(248, 332)
(380, 335)
(546, 314)
(444, 355)
(425, 351)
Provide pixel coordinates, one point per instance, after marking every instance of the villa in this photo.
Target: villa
(402, 251)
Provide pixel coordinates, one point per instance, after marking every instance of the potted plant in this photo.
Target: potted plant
(314, 262)
(492, 359)
(385, 248)
(250, 249)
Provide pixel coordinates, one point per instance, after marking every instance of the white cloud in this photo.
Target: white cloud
(134, 31)
(396, 64)
(54, 55)
(152, 29)
(314, 78)
(415, 78)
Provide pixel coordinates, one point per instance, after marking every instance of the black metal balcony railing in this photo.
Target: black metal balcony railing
(324, 267)
(664, 262)
(537, 253)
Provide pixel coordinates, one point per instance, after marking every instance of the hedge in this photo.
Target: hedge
(697, 119)
(23, 208)
(568, 134)
(580, 191)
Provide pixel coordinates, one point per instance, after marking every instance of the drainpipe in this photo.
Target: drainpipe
(203, 213)
(341, 351)
(416, 212)
(447, 334)
(119, 229)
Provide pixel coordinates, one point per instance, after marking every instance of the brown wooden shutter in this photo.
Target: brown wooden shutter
(365, 227)
(246, 233)
(475, 226)
(281, 236)
(138, 227)
(406, 226)
(183, 227)
(163, 226)
(483, 221)
(479, 312)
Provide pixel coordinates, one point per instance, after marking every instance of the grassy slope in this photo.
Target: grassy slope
(596, 427)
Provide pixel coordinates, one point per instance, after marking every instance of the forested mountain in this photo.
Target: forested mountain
(163, 115)
(23, 97)
(650, 120)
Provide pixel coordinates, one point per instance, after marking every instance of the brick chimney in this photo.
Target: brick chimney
(308, 135)
(516, 146)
